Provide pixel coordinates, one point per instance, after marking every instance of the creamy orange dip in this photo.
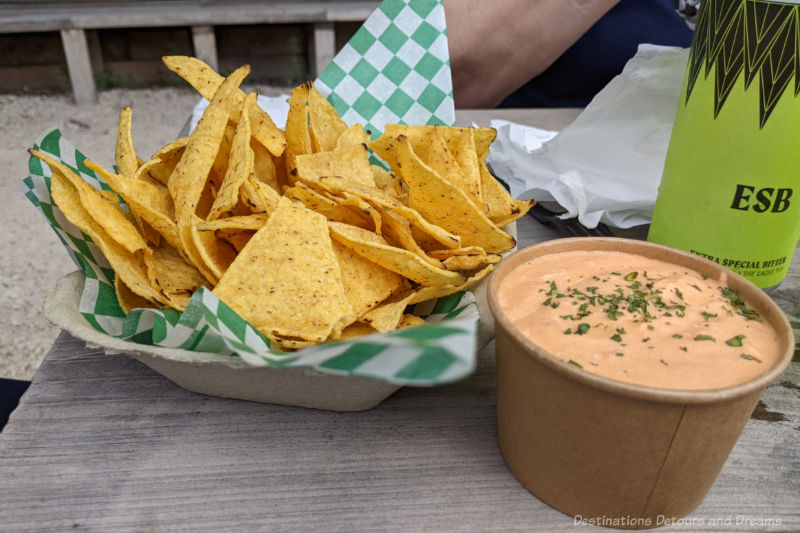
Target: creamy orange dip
(639, 320)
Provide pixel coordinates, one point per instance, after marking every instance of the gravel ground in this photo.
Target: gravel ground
(32, 257)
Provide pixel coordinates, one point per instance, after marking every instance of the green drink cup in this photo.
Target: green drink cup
(729, 191)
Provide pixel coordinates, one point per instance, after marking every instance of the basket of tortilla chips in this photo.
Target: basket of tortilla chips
(306, 253)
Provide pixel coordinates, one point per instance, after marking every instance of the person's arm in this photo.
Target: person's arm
(498, 45)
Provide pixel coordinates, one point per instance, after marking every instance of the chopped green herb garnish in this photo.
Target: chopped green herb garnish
(735, 341)
(582, 328)
(702, 337)
(707, 315)
(619, 354)
(678, 293)
(575, 363)
(631, 276)
(616, 337)
(739, 305)
(677, 336)
(698, 289)
(750, 357)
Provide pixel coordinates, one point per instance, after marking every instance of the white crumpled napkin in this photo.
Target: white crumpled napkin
(605, 166)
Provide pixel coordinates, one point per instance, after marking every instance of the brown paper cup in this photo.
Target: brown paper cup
(609, 452)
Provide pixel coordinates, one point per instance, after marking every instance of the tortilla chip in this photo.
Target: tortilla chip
(366, 284)
(206, 82)
(240, 167)
(446, 205)
(188, 181)
(173, 277)
(104, 212)
(431, 231)
(249, 222)
(405, 263)
(325, 125)
(350, 163)
(128, 266)
(287, 282)
(353, 135)
(502, 208)
(168, 157)
(298, 135)
(152, 204)
(355, 330)
(215, 255)
(331, 209)
(127, 299)
(125, 156)
(460, 143)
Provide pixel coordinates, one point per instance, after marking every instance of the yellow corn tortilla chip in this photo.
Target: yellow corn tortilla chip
(355, 134)
(193, 255)
(331, 209)
(152, 204)
(388, 315)
(433, 150)
(398, 230)
(502, 208)
(127, 265)
(259, 196)
(220, 166)
(236, 238)
(445, 205)
(298, 135)
(460, 143)
(423, 294)
(358, 204)
(150, 235)
(389, 184)
(175, 279)
(464, 262)
(287, 282)
(215, 255)
(350, 163)
(355, 330)
(337, 185)
(168, 157)
(410, 321)
(324, 122)
(240, 167)
(188, 181)
(125, 155)
(264, 167)
(104, 212)
(206, 82)
(405, 263)
(366, 284)
(127, 299)
(249, 222)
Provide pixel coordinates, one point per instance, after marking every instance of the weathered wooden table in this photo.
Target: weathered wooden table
(103, 443)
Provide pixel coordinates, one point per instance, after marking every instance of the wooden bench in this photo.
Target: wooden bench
(72, 19)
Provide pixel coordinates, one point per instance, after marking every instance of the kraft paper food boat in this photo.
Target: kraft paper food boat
(395, 69)
(618, 453)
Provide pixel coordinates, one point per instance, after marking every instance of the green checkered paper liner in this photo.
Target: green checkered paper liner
(395, 69)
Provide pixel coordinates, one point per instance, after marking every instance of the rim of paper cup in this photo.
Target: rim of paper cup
(647, 249)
